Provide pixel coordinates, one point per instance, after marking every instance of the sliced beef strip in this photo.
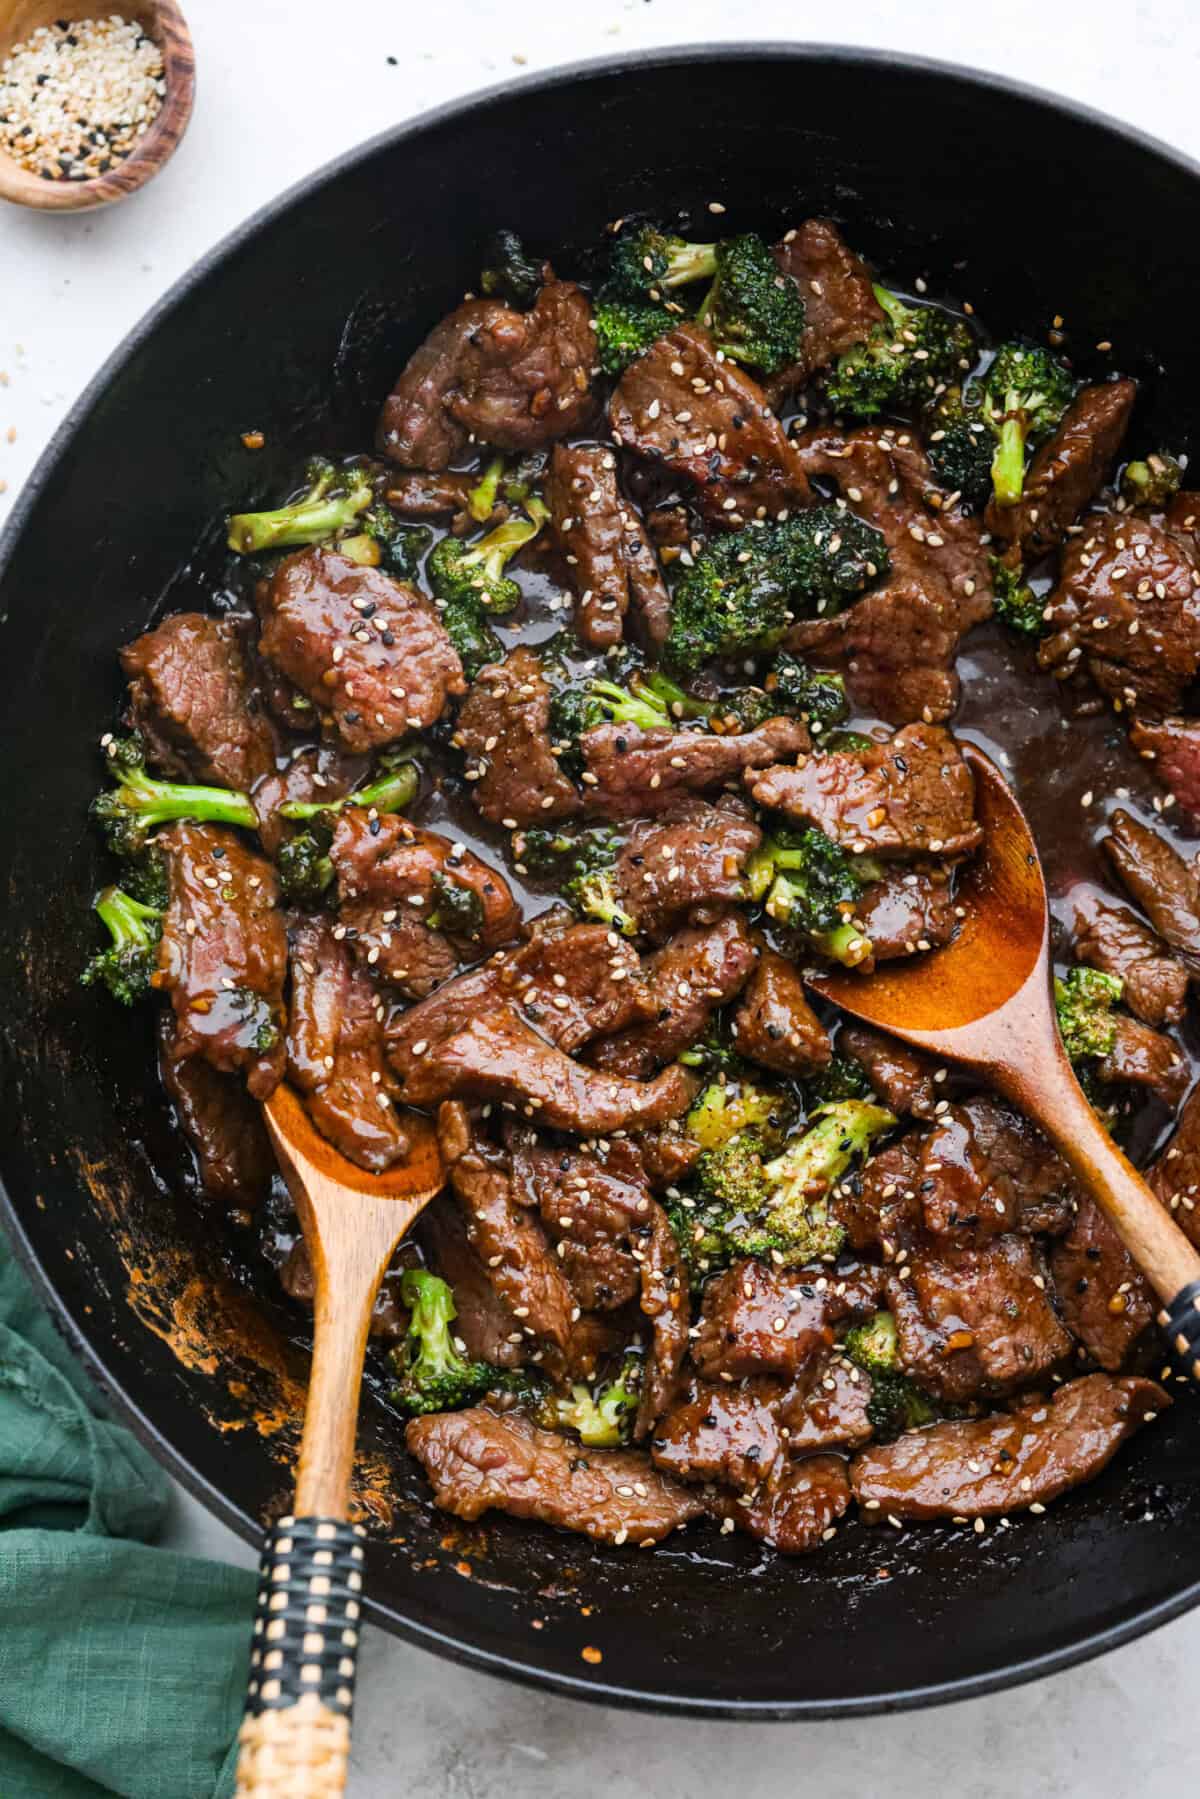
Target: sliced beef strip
(1172, 745)
(479, 1461)
(370, 653)
(1102, 1294)
(224, 1127)
(708, 422)
(1141, 1057)
(1175, 1175)
(314, 774)
(902, 1077)
(223, 954)
(984, 1467)
(415, 429)
(775, 1025)
(1165, 886)
(723, 1433)
(1116, 941)
(503, 731)
(498, 1057)
(690, 860)
(910, 796)
(431, 494)
(1127, 609)
(509, 1240)
(795, 1509)
(756, 1319)
(398, 946)
(192, 697)
(1046, 1190)
(897, 645)
(1067, 471)
(878, 1204)
(390, 861)
(974, 1321)
(484, 1320)
(664, 1301)
(832, 1412)
(909, 910)
(628, 770)
(612, 562)
(668, 1155)
(590, 1203)
(335, 1050)
(966, 1197)
(839, 299)
(685, 982)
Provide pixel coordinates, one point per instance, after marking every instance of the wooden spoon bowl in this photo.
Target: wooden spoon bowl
(160, 20)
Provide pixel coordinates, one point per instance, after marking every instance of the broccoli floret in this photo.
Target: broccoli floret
(468, 582)
(383, 541)
(602, 1416)
(1014, 600)
(1153, 482)
(754, 312)
(896, 1404)
(875, 1345)
(625, 329)
(841, 1078)
(129, 812)
(959, 444)
(809, 884)
(799, 1179)
(644, 260)
(565, 855)
(457, 910)
(901, 362)
(1026, 391)
(331, 503)
(434, 1375)
(481, 501)
(390, 791)
(144, 877)
(579, 706)
(304, 867)
(725, 1108)
(803, 692)
(128, 963)
(1084, 1003)
(594, 895)
(510, 271)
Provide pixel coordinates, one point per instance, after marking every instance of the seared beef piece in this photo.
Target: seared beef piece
(976, 1321)
(503, 731)
(965, 1196)
(569, 979)
(1141, 1057)
(192, 698)
(719, 1432)
(709, 421)
(1102, 1294)
(774, 1023)
(911, 795)
(1173, 746)
(1165, 886)
(664, 1301)
(513, 379)
(839, 300)
(796, 1507)
(1127, 609)
(510, 1241)
(590, 1204)
(480, 1461)
(224, 1127)
(686, 980)
(223, 954)
(389, 1317)
(613, 565)
(483, 1320)
(897, 644)
(1115, 940)
(911, 909)
(1175, 1176)
(629, 770)
(692, 859)
(832, 1412)
(387, 861)
(669, 528)
(1045, 1187)
(498, 1057)
(902, 1077)
(878, 1204)
(1067, 471)
(756, 1319)
(430, 495)
(370, 653)
(335, 1050)
(400, 949)
(315, 774)
(979, 1468)
(668, 1154)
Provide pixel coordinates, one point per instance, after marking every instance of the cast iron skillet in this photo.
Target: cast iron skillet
(295, 326)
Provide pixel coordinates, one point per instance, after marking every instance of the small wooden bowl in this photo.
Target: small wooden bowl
(160, 20)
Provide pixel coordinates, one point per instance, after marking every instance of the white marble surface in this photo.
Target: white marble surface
(283, 85)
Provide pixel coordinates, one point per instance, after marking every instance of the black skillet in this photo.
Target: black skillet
(295, 326)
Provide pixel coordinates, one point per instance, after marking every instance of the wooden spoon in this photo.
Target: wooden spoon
(295, 1737)
(160, 20)
(985, 1001)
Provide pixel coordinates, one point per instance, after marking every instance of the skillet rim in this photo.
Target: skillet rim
(454, 1648)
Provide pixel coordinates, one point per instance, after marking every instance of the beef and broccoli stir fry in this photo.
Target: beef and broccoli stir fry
(530, 760)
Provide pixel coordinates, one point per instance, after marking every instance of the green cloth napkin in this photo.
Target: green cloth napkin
(122, 1667)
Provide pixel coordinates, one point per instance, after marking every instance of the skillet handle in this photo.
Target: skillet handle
(294, 1742)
